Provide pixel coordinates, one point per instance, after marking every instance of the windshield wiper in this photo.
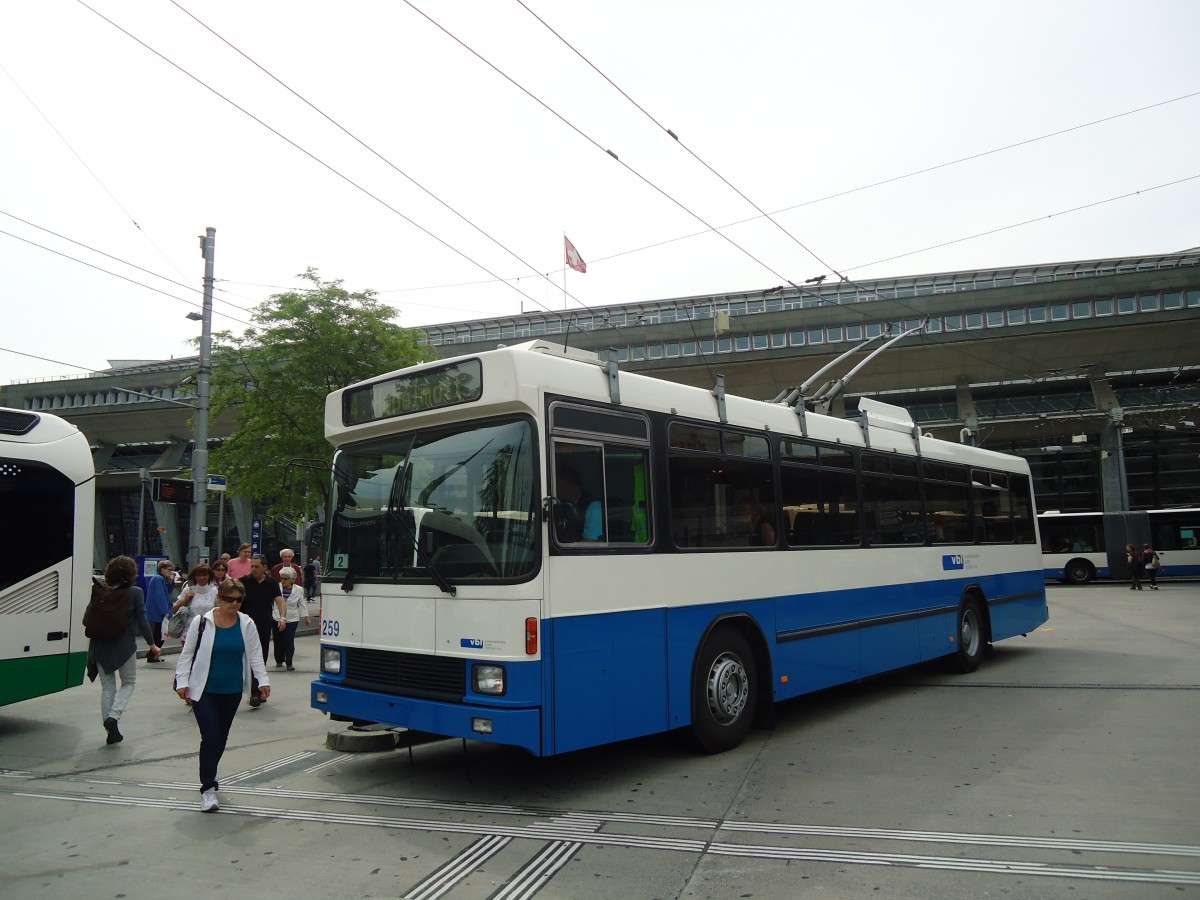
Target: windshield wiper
(397, 510)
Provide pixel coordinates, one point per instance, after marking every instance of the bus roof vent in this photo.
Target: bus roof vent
(556, 349)
(15, 422)
(884, 415)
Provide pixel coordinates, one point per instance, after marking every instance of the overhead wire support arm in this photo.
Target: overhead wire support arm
(824, 398)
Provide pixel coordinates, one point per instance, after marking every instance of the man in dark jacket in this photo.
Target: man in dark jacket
(262, 592)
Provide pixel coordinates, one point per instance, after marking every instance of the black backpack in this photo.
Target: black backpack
(107, 615)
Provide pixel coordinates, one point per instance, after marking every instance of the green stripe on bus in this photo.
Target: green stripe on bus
(23, 679)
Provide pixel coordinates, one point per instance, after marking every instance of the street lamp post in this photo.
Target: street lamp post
(198, 551)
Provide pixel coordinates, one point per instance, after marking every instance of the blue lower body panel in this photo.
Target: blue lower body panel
(517, 727)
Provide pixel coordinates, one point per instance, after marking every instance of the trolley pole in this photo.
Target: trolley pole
(198, 551)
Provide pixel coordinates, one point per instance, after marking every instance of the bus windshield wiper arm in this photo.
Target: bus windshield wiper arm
(398, 512)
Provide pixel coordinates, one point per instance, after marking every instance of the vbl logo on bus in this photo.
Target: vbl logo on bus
(952, 562)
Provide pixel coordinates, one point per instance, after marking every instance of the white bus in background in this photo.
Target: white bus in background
(47, 515)
(1078, 548)
(472, 592)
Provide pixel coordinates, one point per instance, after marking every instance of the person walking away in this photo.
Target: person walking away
(311, 570)
(1151, 564)
(240, 567)
(262, 598)
(110, 658)
(1134, 559)
(220, 658)
(295, 605)
(158, 599)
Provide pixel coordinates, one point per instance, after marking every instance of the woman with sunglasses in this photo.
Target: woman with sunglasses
(219, 656)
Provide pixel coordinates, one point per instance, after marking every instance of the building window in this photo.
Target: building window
(1037, 314)
(672, 349)
(834, 334)
(815, 336)
(760, 342)
(1081, 309)
(974, 320)
(954, 323)
(1016, 316)
(1148, 302)
(654, 351)
(1059, 312)
(741, 343)
(1172, 300)
(1193, 299)
(689, 348)
(854, 332)
(796, 338)
(707, 346)
(1126, 305)
(995, 318)
(724, 345)
(637, 353)
(1104, 306)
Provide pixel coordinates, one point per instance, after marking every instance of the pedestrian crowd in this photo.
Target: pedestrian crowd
(232, 612)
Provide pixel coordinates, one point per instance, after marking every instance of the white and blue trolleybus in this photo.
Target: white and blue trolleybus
(47, 527)
(529, 547)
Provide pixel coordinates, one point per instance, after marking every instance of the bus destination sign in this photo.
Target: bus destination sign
(460, 382)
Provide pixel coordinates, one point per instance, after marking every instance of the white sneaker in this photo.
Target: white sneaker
(208, 801)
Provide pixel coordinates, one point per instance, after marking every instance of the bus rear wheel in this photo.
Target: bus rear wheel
(1078, 571)
(970, 638)
(724, 692)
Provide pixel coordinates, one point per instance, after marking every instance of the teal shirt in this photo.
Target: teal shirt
(225, 667)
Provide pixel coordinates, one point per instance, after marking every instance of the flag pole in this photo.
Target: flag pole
(564, 272)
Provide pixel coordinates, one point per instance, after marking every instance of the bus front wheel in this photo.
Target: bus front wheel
(724, 692)
(970, 638)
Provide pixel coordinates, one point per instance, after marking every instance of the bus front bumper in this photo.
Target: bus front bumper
(514, 727)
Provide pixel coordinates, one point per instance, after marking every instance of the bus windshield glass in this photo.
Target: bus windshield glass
(459, 500)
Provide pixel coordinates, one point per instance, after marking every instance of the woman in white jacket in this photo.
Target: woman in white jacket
(219, 656)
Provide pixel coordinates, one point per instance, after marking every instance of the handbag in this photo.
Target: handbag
(178, 624)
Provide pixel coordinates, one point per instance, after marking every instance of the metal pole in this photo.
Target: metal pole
(198, 551)
(143, 477)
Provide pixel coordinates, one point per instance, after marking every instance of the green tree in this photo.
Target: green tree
(274, 379)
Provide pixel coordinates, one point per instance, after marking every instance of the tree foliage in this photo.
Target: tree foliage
(274, 379)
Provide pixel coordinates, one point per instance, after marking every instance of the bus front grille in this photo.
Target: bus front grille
(407, 674)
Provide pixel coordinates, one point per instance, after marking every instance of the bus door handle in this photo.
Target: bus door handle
(57, 636)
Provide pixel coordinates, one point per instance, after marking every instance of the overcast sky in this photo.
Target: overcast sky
(790, 102)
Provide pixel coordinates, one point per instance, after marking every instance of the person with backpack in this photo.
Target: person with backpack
(116, 610)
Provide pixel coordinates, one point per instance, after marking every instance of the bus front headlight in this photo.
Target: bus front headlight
(488, 679)
(331, 661)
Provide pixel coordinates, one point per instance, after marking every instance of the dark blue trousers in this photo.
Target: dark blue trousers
(214, 715)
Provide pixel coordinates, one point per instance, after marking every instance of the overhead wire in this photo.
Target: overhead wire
(122, 277)
(91, 172)
(374, 152)
(590, 139)
(124, 262)
(330, 168)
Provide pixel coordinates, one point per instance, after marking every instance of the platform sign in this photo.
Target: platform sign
(217, 482)
(172, 490)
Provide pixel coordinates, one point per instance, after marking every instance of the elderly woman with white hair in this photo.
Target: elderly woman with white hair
(295, 606)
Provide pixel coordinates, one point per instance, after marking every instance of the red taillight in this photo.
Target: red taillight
(531, 636)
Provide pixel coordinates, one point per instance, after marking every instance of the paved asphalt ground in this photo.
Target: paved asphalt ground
(1064, 767)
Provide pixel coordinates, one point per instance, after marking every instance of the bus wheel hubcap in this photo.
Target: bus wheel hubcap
(728, 688)
(970, 632)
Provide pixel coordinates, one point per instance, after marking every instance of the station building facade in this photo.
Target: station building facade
(1090, 369)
